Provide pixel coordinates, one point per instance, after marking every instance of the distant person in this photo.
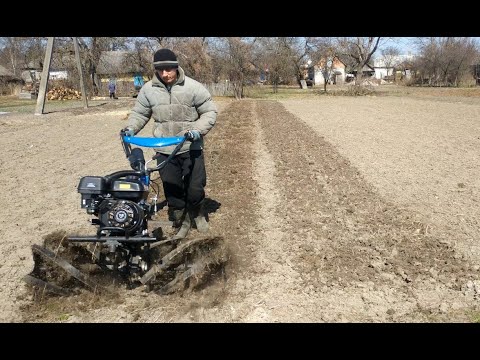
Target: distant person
(112, 89)
(138, 82)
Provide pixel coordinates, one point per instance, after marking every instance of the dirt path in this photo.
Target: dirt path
(310, 237)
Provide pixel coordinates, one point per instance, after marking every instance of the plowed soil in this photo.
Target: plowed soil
(333, 209)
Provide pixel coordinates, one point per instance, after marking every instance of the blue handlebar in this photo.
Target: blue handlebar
(153, 141)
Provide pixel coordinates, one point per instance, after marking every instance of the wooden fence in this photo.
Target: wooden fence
(126, 88)
(220, 89)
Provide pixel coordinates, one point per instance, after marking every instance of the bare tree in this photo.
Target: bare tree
(357, 52)
(140, 57)
(92, 49)
(273, 55)
(445, 61)
(162, 42)
(234, 56)
(283, 58)
(195, 59)
(299, 49)
(192, 53)
(323, 53)
(17, 52)
(12, 50)
(389, 57)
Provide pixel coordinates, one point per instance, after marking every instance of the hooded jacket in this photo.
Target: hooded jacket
(186, 105)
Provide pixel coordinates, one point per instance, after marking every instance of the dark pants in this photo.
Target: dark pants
(112, 95)
(184, 179)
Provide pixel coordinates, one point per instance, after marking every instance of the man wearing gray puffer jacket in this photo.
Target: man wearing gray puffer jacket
(178, 104)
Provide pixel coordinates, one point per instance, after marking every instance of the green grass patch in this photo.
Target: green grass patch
(14, 104)
(267, 92)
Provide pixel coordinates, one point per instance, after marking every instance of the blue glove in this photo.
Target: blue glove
(193, 135)
(128, 132)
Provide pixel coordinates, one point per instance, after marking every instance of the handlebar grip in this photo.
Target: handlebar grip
(127, 149)
(188, 136)
(137, 159)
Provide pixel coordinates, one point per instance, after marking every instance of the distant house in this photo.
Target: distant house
(367, 71)
(58, 75)
(386, 65)
(32, 72)
(58, 70)
(336, 72)
(10, 84)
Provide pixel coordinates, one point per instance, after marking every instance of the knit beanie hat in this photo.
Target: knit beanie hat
(165, 58)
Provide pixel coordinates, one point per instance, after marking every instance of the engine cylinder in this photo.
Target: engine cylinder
(123, 214)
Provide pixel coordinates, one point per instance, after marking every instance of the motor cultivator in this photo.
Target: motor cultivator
(128, 243)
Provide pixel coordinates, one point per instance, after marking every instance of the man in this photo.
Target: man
(178, 104)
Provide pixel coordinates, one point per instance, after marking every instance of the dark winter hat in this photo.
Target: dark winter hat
(165, 58)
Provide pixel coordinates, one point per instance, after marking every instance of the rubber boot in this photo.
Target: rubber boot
(176, 216)
(184, 228)
(199, 216)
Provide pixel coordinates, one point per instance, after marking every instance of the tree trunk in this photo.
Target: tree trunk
(359, 77)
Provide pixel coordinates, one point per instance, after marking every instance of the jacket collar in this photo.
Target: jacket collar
(180, 79)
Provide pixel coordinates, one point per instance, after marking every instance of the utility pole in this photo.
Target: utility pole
(42, 91)
(80, 72)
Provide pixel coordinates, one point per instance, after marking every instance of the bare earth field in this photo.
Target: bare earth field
(334, 209)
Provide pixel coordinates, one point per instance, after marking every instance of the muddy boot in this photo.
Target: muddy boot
(176, 216)
(199, 216)
(184, 228)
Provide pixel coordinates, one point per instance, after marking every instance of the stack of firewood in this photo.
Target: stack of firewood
(63, 93)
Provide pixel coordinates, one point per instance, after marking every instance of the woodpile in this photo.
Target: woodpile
(63, 93)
